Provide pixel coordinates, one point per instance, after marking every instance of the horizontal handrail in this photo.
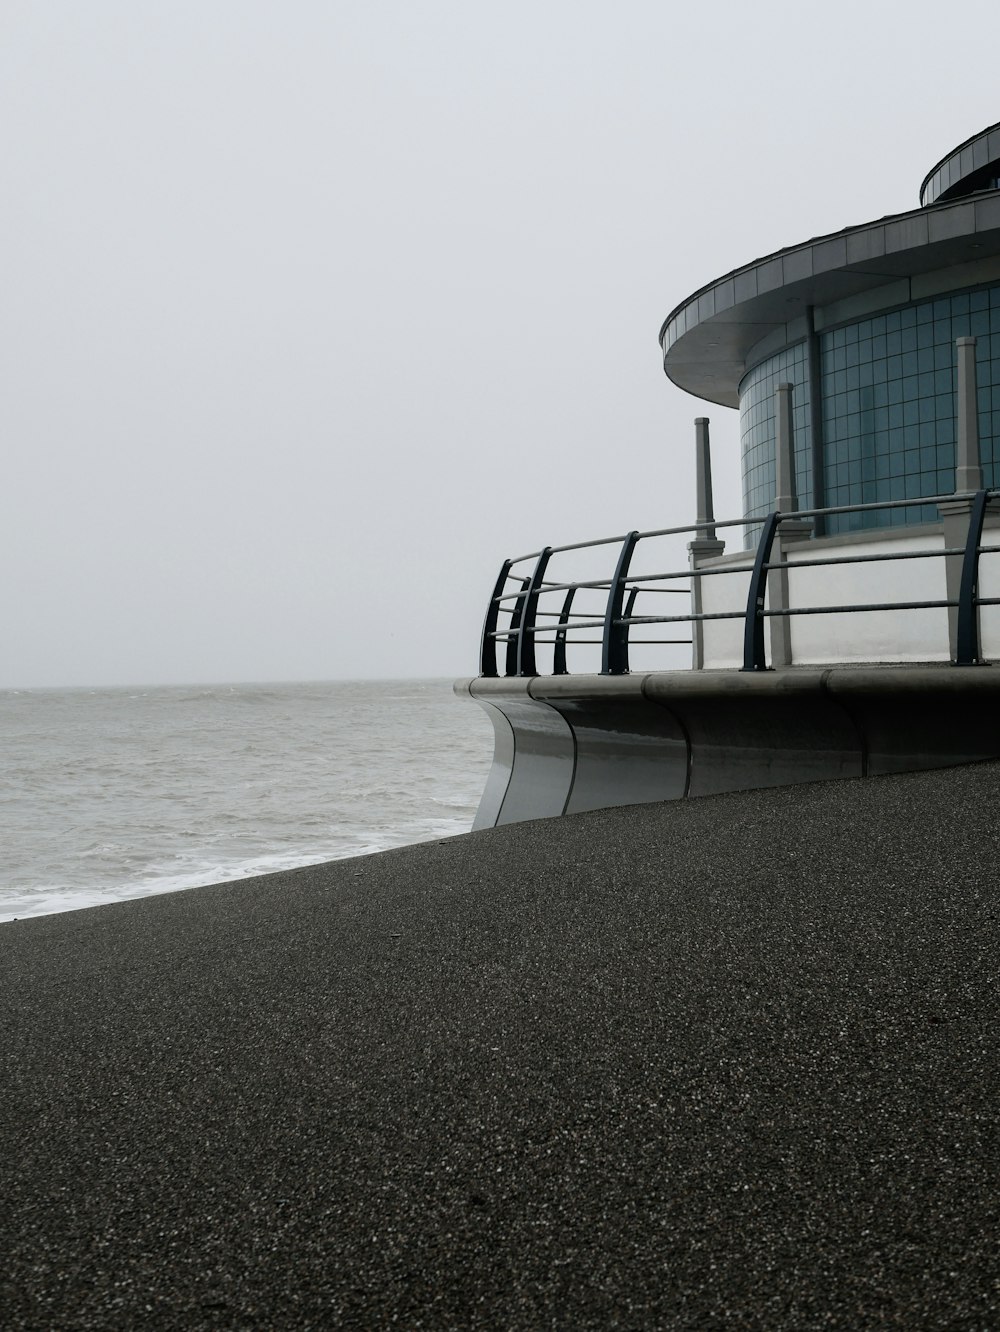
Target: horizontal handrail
(711, 524)
(541, 634)
(873, 505)
(880, 558)
(576, 545)
(860, 606)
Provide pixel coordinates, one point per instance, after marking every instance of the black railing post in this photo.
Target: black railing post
(614, 649)
(526, 627)
(559, 651)
(754, 657)
(488, 647)
(627, 615)
(514, 629)
(967, 635)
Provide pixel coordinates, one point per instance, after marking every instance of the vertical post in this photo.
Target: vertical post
(514, 630)
(559, 651)
(968, 468)
(754, 658)
(784, 450)
(705, 545)
(785, 502)
(814, 349)
(614, 649)
(703, 479)
(957, 514)
(526, 629)
(488, 647)
(967, 637)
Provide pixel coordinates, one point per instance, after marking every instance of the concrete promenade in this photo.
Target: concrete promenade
(726, 1063)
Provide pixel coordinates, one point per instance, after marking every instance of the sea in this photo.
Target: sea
(108, 794)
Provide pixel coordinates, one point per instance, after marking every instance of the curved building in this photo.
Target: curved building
(857, 632)
(863, 323)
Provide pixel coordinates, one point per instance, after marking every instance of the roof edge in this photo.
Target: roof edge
(953, 152)
(814, 240)
(777, 254)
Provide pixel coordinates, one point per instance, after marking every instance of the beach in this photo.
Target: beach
(719, 1063)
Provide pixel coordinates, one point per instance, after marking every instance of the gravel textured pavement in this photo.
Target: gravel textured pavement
(726, 1063)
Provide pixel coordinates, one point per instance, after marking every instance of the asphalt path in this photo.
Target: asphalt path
(727, 1063)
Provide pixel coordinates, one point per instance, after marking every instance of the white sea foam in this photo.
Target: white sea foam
(113, 794)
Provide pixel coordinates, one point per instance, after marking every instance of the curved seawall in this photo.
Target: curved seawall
(570, 743)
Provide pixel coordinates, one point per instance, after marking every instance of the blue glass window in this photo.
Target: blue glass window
(908, 427)
(757, 424)
(888, 409)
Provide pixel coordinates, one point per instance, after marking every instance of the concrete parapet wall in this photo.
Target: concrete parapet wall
(919, 636)
(895, 635)
(750, 730)
(570, 743)
(534, 755)
(624, 740)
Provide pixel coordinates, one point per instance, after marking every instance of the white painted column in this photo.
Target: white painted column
(968, 475)
(784, 450)
(968, 467)
(790, 532)
(706, 545)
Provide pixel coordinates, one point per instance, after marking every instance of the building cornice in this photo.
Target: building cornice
(956, 173)
(709, 338)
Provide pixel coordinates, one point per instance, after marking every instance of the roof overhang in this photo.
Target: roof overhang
(963, 170)
(707, 339)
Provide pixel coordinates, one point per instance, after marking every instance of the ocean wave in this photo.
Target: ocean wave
(123, 793)
(49, 899)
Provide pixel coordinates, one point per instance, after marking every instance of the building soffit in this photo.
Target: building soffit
(708, 338)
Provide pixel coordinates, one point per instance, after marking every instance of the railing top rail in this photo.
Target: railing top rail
(877, 504)
(576, 545)
(617, 540)
(556, 587)
(827, 510)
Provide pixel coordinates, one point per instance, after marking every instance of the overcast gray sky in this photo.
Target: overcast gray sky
(313, 312)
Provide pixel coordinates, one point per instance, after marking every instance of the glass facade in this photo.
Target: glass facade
(757, 431)
(889, 405)
(888, 410)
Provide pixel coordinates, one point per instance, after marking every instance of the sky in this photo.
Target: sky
(312, 312)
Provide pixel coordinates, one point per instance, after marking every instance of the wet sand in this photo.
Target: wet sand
(729, 1063)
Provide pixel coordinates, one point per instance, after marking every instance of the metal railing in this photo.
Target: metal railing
(523, 595)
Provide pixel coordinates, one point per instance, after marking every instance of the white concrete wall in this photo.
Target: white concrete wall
(873, 636)
(989, 586)
(723, 639)
(904, 635)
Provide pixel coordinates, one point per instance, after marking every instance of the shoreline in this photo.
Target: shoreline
(723, 1062)
(131, 893)
(118, 794)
